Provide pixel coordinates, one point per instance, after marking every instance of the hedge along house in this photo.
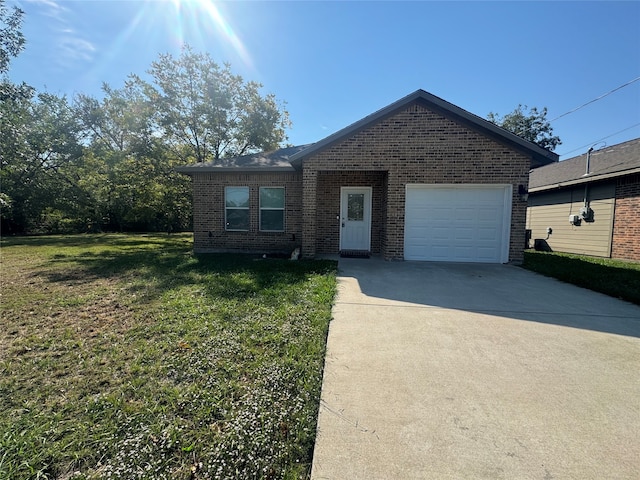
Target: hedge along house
(420, 179)
(591, 203)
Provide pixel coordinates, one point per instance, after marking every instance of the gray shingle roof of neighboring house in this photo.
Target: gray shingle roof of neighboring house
(255, 162)
(609, 162)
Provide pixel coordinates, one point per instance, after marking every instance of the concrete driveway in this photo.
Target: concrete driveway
(465, 371)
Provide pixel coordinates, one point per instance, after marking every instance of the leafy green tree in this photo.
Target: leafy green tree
(12, 42)
(532, 126)
(11, 38)
(128, 168)
(204, 106)
(110, 163)
(121, 122)
(39, 141)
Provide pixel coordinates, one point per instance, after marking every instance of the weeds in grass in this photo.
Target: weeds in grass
(129, 357)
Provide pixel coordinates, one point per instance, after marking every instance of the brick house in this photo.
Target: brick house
(420, 179)
(590, 202)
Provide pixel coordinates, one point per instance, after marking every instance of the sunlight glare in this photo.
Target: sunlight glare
(193, 8)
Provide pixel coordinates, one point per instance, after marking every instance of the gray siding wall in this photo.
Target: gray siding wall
(552, 209)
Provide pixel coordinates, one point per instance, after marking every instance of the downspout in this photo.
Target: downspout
(585, 211)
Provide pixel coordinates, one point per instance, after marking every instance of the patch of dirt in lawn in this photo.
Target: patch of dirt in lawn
(64, 340)
(38, 311)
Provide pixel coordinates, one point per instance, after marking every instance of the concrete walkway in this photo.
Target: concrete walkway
(464, 371)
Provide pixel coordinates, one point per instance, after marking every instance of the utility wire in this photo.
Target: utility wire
(597, 141)
(596, 99)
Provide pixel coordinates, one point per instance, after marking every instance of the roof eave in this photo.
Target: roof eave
(190, 170)
(585, 179)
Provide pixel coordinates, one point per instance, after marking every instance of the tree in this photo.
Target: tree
(202, 105)
(532, 126)
(11, 44)
(11, 37)
(39, 144)
(121, 122)
(128, 169)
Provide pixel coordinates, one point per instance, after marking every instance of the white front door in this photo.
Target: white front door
(355, 218)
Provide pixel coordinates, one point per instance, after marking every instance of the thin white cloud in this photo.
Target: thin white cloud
(71, 46)
(50, 8)
(75, 49)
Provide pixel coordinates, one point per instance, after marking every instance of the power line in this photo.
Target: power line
(595, 99)
(599, 140)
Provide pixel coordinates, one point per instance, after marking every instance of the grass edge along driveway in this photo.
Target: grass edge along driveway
(127, 356)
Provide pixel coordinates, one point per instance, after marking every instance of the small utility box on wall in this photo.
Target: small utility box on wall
(587, 214)
(574, 219)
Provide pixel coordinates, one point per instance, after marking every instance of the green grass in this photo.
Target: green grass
(616, 278)
(129, 357)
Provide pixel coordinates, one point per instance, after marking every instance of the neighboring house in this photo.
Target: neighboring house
(420, 179)
(590, 202)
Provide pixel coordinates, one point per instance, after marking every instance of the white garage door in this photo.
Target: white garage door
(457, 223)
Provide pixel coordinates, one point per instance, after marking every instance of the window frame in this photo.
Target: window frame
(271, 209)
(227, 208)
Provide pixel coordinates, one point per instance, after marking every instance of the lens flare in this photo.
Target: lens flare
(172, 24)
(197, 17)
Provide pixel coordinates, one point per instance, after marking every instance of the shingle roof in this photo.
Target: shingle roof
(287, 159)
(255, 162)
(614, 161)
(540, 156)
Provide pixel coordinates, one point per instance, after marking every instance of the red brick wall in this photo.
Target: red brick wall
(328, 207)
(626, 228)
(209, 213)
(416, 145)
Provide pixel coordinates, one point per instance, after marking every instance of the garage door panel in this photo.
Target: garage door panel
(465, 254)
(437, 213)
(462, 223)
(439, 252)
(487, 254)
(463, 234)
(465, 214)
(487, 234)
(486, 214)
(438, 233)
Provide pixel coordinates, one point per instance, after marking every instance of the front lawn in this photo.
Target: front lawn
(128, 357)
(616, 278)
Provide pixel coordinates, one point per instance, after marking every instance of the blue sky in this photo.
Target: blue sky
(336, 62)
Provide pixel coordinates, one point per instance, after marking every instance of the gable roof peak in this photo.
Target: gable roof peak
(539, 155)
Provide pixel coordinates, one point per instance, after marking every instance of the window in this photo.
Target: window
(272, 209)
(355, 207)
(236, 201)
